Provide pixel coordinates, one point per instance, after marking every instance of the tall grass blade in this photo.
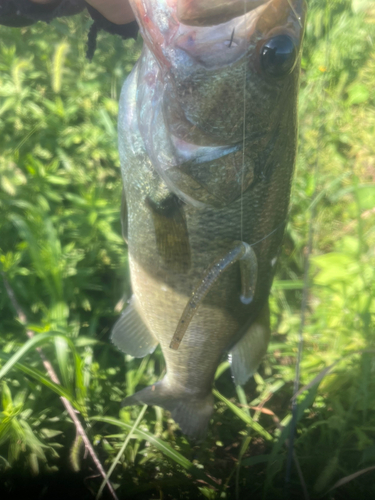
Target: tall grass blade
(306, 275)
(121, 452)
(349, 478)
(165, 448)
(221, 369)
(246, 440)
(242, 399)
(37, 341)
(30, 344)
(302, 406)
(62, 356)
(244, 446)
(40, 378)
(243, 416)
(318, 378)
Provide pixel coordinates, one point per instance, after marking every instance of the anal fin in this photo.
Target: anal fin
(250, 349)
(131, 335)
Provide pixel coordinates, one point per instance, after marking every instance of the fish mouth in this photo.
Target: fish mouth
(213, 12)
(161, 21)
(215, 33)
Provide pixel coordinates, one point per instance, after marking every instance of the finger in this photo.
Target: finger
(116, 11)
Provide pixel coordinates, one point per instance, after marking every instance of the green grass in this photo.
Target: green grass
(62, 253)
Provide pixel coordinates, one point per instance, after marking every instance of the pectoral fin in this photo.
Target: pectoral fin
(250, 349)
(131, 335)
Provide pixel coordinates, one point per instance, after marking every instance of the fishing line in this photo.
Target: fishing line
(295, 13)
(273, 231)
(244, 126)
(306, 285)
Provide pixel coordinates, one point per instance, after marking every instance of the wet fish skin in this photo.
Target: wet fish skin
(193, 186)
(198, 13)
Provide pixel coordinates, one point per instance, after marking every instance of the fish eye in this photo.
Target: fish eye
(278, 56)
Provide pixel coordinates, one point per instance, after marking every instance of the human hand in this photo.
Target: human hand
(116, 11)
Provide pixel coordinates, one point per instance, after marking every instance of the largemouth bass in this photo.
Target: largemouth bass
(207, 139)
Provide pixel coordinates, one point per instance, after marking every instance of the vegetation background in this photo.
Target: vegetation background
(62, 254)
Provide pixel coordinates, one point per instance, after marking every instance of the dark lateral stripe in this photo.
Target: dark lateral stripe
(171, 233)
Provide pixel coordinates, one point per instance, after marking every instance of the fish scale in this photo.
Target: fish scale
(190, 197)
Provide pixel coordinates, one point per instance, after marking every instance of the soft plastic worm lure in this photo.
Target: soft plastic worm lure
(239, 251)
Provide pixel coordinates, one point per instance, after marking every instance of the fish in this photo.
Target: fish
(207, 143)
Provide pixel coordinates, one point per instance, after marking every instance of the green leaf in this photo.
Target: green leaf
(357, 94)
(38, 340)
(6, 398)
(62, 356)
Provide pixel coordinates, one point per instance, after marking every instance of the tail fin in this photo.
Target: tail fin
(191, 413)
